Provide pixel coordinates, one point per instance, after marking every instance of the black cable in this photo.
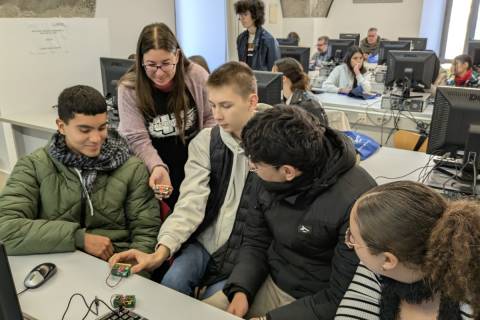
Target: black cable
(402, 176)
(89, 306)
(112, 285)
(84, 301)
(22, 291)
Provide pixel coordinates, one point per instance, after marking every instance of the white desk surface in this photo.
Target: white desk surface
(82, 273)
(346, 103)
(395, 164)
(43, 121)
(341, 100)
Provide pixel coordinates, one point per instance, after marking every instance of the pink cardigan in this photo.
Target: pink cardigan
(132, 123)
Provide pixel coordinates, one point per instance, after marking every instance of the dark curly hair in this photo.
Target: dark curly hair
(453, 255)
(417, 225)
(255, 7)
(80, 99)
(285, 135)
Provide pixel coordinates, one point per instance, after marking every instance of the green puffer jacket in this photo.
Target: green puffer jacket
(41, 207)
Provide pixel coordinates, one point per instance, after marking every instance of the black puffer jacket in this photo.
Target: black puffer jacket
(298, 237)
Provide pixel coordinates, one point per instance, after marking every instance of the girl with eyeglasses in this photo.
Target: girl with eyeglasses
(163, 104)
(420, 256)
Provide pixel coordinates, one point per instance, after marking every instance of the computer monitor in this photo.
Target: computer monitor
(9, 305)
(353, 36)
(269, 87)
(112, 70)
(301, 54)
(339, 47)
(454, 110)
(287, 42)
(424, 67)
(474, 51)
(386, 46)
(416, 44)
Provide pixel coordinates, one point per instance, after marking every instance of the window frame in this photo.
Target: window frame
(471, 24)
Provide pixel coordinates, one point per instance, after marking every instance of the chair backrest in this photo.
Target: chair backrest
(338, 120)
(408, 140)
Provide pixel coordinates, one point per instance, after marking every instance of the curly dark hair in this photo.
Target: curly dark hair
(453, 258)
(80, 99)
(417, 225)
(284, 135)
(255, 7)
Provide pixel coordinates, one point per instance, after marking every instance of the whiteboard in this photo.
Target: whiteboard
(41, 57)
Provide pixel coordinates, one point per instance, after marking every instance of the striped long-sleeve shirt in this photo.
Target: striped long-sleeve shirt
(362, 299)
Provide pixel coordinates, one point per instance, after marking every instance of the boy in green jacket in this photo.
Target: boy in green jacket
(82, 191)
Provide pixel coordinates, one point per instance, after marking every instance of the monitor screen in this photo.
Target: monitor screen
(112, 70)
(424, 64)
(9, 306)
(474, 51)
(287, 42)
(455, 109)
(416, 44)
(353, 36)
(339, 47)
(386, 46)
(301, 54)
(269, 87)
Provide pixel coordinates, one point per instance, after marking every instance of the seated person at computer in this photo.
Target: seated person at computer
(296, 88)
(294, 263)
(82, 191)
(255, 46)
(200, 60)
(294, 37)
(371, 44)
(205, 230)
(420, 255)
(321, 55)
(152, 100)
(462, 72)
(349, 75)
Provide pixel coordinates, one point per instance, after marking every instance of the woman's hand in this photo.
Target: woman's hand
(356, 69)
(160, 177)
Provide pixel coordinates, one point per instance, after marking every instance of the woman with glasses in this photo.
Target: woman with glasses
(163, 104)
(420, 255)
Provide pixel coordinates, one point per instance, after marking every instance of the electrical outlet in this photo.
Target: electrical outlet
(361, 118)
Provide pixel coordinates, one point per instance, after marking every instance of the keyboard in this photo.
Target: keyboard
(122, 314)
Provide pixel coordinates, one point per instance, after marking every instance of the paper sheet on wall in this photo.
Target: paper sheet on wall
(48, 38)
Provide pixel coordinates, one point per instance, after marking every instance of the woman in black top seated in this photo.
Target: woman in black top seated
(422, 254)
(296, 87)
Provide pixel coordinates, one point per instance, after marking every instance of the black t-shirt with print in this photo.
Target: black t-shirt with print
(167, 141)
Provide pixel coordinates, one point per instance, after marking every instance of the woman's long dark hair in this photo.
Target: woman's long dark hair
(347, 59)
(293, 70)
(159, 36)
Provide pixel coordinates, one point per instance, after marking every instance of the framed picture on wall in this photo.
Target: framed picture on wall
(376, 1)
(305, 8)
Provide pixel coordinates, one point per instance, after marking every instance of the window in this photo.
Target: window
(462, 23)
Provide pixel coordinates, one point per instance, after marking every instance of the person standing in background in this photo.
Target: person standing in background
(256, 46)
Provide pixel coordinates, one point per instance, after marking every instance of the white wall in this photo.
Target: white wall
(199, 38)
(128, 17)
(392, 19)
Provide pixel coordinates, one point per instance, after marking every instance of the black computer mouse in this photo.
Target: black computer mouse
(39, 275)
